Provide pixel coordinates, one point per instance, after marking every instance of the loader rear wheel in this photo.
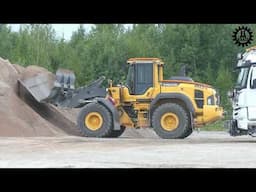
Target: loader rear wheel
(94, 120)
(187, 133)
(171, 121)
(117, 133)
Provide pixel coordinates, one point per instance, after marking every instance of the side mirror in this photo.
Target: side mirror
(254, 84)
(239, 56)
(230, 94)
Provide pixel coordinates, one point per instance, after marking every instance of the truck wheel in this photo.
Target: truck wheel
(117, 133)
(171, 121)
(94, 120)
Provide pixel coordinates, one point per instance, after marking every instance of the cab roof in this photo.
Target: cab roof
(251, 48)
(142, 60)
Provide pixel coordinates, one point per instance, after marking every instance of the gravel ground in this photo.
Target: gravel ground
(200, 150)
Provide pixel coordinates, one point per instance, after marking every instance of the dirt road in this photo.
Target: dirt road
(200, 150)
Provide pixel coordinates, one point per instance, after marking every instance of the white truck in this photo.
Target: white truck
(243, 96)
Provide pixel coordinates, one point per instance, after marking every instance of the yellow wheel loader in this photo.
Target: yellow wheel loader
(171, 107)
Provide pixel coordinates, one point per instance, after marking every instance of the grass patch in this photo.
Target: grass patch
(217, 126)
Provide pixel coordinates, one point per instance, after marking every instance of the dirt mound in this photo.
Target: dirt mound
(33, 70)
(23, 116)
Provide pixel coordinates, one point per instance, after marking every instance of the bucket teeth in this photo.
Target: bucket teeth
(65, 79)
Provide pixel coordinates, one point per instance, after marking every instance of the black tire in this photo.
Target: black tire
(117, 133)
(183, 129)
(186, 134)
(106, 127)
(189, 130)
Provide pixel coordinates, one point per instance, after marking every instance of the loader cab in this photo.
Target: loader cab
(140, 75)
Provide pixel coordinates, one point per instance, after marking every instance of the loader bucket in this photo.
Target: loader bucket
(45, 86)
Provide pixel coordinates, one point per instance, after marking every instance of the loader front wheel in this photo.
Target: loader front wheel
(94, 120)
(171, 121)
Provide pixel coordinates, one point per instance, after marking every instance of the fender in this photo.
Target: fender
(112, 109)
(178, 96)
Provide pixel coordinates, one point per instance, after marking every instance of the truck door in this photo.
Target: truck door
(251, 95)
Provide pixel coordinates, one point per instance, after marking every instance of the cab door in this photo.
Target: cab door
(143, 78)
(250, 95)
(140, 83)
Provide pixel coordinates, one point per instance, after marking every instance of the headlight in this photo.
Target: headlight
(210, 100)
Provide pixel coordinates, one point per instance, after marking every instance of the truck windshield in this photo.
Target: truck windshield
(242, 78)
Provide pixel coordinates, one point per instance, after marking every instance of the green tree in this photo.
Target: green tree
(224, 82)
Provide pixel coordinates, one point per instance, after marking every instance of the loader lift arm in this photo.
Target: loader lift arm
(75, 98)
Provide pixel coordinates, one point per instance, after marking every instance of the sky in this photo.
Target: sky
(61, 29)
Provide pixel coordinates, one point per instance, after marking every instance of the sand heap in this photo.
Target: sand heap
(23, 116)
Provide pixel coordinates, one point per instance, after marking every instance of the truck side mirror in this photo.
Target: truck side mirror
(254, 84)
(239, 56)
(230, 94)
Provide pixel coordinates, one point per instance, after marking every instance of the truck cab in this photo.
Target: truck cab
(243, 95)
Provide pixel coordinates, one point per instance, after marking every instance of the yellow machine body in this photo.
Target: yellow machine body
(135, 109)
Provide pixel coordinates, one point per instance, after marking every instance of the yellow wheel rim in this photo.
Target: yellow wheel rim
(93, 121)
(169, 121)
